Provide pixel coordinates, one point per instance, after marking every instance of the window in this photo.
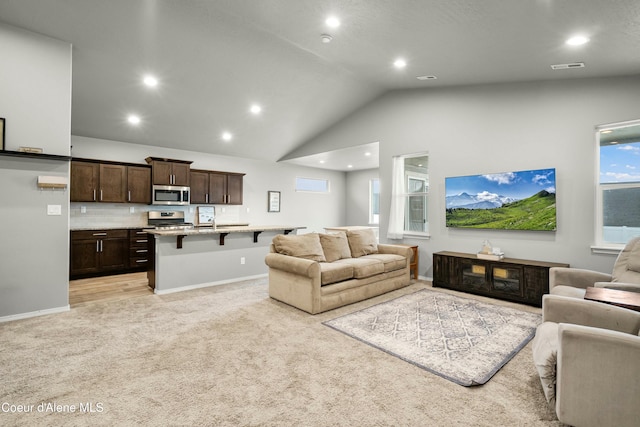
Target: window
(409, 196)
(416, 190)
(618, 189)
(312, 185)
(374, 201)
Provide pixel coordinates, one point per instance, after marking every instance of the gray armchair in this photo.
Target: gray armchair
(573, 282)
(588, 357)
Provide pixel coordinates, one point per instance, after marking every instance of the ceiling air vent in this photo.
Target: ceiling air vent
(426, 77)
(568, 66)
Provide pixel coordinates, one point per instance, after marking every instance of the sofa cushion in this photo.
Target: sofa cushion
(362, 242)
(331, 272)
(545, 355)
(305, 246)
(335, 246)
(391, 262)
(363, 267)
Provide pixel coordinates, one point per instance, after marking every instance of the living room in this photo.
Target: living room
(488, 127)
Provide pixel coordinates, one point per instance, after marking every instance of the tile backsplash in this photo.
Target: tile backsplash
(115, 215)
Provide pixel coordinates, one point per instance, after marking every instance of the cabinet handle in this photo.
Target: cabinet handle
(142, 241)
(141, 260)
(99, 234)
(141, 251)
(141, 232)
(129, 195)
(94, 194)
(101, 194)
(100, 245)
(97, 245)
(206, 198)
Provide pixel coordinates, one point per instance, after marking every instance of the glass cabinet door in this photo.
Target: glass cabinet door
(507, 280)
(474, 275)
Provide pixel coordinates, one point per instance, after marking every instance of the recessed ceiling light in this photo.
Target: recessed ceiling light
(150, 81)
(133, 119)
(255, 109)
(227, 136)
(367, 154)
(349, 166)
(400, 63)
(322, 162)
(577, 40)
(332, 22)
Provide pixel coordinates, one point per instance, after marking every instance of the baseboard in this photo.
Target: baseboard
(425, 278)
(206, 285)
(35, 313)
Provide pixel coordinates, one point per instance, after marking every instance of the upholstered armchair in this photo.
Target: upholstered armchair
(587, 354)
(573, 282)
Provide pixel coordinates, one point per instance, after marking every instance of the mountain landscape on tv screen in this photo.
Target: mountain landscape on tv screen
(523, 200)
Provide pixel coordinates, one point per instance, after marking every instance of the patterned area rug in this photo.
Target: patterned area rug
(463, 340)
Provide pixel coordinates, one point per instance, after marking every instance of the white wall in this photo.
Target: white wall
(35, 100)
(498, 128)
(314, 211)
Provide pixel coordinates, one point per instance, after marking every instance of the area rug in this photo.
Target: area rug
(463, 340)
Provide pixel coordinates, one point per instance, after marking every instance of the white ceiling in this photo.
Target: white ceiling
(215, 57)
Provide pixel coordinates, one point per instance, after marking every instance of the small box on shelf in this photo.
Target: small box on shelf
(490, 257)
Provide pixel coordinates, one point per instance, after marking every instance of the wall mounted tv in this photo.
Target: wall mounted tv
(524, 200)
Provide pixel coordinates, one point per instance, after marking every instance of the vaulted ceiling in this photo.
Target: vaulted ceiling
(214, 59)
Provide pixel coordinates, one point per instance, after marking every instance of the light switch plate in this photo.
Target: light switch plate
(54, 209)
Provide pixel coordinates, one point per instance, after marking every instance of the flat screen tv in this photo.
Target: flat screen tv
(524, 200)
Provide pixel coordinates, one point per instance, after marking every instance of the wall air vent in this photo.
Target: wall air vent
(568, 66)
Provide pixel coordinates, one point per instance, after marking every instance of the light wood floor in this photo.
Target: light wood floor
(108, 288)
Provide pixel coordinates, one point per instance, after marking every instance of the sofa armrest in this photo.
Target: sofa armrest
(597, 377)
(629, 287)
(301, 266)
(405, 251)
(575, 277)
(560, 309)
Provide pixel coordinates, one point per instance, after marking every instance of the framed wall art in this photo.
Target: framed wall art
(273, 204)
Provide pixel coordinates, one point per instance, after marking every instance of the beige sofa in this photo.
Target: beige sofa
(319, 272)
(573, 282)
(587, 354)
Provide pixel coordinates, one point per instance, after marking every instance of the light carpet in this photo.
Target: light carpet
(463, 340)
(230, 356)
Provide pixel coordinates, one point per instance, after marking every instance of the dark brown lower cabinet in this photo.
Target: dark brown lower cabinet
(108, 251)
(509, 279)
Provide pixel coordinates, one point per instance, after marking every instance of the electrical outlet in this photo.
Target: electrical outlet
(247, 210)
(242, 260)
(132, 209)
(83, 209)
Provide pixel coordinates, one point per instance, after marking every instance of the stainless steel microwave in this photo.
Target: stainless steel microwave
(170, 195)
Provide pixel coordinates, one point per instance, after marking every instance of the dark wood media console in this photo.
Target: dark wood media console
(509, 279)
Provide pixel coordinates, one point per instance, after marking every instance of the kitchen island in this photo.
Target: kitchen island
(205, 256)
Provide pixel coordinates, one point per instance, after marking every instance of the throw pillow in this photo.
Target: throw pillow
(335, 246)
(305, 246)
(545, 356)
(362, 242)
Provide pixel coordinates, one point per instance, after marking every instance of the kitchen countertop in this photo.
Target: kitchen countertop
(110, 227)
(221, 229)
